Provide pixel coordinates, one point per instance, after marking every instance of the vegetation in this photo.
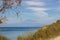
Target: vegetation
(46, 32)
(8, 4)
(27, 37)
(20, 38)
(1, 21)
(3, 38)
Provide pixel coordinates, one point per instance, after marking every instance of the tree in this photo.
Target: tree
(7, 4)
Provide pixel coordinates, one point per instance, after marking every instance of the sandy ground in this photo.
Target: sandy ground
(56, 38)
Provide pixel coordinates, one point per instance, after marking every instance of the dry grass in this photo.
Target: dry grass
(46, 32)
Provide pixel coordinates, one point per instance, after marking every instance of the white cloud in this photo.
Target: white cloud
(37, 8)
(34, 3)
(15, 20)
(41, 14)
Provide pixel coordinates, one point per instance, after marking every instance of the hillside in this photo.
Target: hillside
(48, 32)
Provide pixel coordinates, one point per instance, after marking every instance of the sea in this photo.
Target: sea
(14, 32)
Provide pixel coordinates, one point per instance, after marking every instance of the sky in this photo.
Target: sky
(34, 13)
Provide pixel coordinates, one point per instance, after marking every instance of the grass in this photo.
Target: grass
(45, 33)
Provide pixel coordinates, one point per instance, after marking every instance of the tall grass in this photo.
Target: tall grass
(46, 32)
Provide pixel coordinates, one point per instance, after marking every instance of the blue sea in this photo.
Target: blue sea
(13, 32)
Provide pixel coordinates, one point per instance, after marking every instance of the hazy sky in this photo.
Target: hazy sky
(35, 12)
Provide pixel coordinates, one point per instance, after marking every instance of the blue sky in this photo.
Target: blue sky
(35, 13)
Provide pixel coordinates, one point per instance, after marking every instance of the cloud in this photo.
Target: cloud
(34, 3)
(15, 20)
(41, 14)
(37, 8)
